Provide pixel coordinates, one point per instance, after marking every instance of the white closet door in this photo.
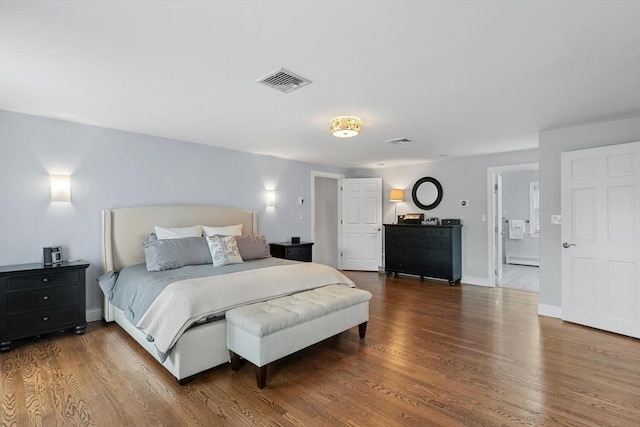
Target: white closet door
(361, 224)
(601, 238)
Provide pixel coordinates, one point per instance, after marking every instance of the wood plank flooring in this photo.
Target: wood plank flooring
(434, 355)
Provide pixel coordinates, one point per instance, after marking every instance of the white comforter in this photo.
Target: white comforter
(184, 302)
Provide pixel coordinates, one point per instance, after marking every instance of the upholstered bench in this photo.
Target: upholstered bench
(267, 331)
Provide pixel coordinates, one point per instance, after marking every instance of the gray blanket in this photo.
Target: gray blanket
(136, 288)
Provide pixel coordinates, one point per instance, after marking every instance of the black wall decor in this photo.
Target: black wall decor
(427, 193)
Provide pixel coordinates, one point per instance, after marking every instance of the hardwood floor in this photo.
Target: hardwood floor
(433, 355)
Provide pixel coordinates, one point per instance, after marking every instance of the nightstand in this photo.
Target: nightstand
(294, 251)
(35, 300)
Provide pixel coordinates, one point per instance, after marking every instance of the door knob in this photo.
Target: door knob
(567, 244)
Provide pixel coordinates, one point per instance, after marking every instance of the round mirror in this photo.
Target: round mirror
(427, 193)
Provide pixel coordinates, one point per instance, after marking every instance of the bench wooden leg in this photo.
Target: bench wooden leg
(362, 329)
(261, 376)
(235, 361)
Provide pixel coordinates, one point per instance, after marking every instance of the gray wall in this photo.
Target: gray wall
(461, 179)
(112, 168)
(515, 205)
(551, 144)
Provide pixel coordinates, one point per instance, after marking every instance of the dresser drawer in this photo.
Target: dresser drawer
(405, 266)
(439, 243)
(438, 232)
(391, 231)
(52, 278)
(19, 301)
(46, 320)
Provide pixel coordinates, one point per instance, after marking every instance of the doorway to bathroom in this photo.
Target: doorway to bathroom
(514, 227)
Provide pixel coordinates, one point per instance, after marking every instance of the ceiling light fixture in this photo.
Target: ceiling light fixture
(345, 126)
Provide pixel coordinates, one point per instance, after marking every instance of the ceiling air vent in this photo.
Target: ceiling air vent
(399, 141)
(283, 80)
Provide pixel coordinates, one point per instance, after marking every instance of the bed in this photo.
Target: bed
(199, 348)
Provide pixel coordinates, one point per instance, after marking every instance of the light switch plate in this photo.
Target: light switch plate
(556, 219)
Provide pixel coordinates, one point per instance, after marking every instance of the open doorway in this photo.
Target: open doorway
(514, 227)
(325, 217)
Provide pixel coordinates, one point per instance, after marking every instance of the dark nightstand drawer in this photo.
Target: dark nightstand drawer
(18, 302)
(293, 251)
(42, 321)
(298, 254)
(45, 279)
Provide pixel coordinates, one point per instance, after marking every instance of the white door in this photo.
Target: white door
(361, 222)
(601, 238)
(497, 196)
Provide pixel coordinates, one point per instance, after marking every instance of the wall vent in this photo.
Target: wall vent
(283, 80)
(399, 141)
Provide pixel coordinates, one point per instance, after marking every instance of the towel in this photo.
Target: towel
(516, 229)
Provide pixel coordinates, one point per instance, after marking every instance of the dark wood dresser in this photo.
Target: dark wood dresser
(424, 250)
(35, 299)
(294, 251)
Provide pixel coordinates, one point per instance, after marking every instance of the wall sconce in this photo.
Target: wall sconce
(60, 188)
(270, 198)
(396, 196)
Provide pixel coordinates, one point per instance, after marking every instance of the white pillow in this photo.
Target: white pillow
(231, 230)
(178, 232)
(224, 250)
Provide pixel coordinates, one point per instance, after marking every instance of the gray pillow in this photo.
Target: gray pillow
(168, 254)
(252, 247)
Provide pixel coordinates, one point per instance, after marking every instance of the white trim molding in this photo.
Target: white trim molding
(550, 311)
(478, 281)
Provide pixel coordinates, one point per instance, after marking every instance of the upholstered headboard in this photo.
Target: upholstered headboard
(124, 230)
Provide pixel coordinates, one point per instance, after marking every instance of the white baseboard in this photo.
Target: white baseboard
(550, 311)
(478, 281)
(94, 314)
(523, 260)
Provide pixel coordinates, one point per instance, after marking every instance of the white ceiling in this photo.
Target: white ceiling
(457, 77)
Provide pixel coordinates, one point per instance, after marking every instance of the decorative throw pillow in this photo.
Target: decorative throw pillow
(252, 247)
(178, 232)
(231, 230)
(224, 250)
(168, 254)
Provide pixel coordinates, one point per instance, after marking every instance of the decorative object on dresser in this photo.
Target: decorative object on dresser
(424, 250)
(411, 218)
(294, 251)
(37, 299)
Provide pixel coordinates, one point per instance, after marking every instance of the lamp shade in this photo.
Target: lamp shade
(396, 195)
(345, 126)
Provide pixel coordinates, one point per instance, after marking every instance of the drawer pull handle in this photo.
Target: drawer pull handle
(45, 318)
(46, 279)
(46, 297)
